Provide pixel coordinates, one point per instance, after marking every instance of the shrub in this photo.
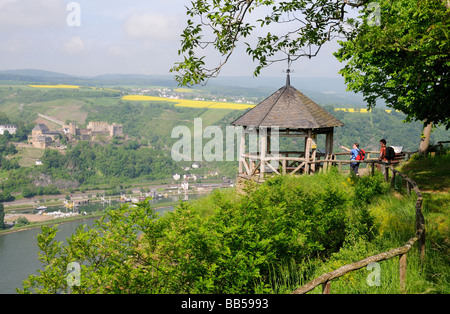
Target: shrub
(22, 221)
(221, 244)
(368, 187)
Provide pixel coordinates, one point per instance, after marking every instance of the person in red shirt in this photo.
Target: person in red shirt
(382, 156)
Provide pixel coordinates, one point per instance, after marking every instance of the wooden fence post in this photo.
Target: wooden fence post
(385, 172)
(326, 287)
(393, 179)
(402, 269)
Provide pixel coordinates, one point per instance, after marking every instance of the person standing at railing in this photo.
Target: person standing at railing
(382, 156)
(354, 166)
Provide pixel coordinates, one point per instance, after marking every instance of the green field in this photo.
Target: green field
(29, 155)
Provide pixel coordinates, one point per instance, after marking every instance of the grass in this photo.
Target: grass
(394, 215)
(62, 109)
(29, 155)
(395, 218)
(430, 173)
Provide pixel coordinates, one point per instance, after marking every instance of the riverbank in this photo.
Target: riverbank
(36, 225)
(91, 195)
(36, 221)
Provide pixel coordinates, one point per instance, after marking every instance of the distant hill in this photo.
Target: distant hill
(327, 91)
(34, 73)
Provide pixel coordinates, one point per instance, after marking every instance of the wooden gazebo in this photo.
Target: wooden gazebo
(286, 113)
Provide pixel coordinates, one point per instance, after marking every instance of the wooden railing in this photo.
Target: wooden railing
(293, 162)
(325, 279)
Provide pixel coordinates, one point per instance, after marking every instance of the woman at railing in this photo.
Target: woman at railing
(354, 152)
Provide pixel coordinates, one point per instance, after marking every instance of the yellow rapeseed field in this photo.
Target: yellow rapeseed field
(220, 105)
(190, 103)
(193, 103)
(144, 98)
(55, 86)
(360, 110)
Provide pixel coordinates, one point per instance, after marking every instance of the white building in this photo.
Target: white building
(11, 128)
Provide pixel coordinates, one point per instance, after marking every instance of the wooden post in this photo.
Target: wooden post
(326, 287)
(402, 269)
(242, 151)
(422, 246)
(385, 171)
(313, 166)
(393, 179)
(263, 150)
(307, 150)
(408, 187)
(329, 144)
(373, 168)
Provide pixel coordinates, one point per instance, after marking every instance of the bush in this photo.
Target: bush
(366, 188)
(22, 221)
(221, 244)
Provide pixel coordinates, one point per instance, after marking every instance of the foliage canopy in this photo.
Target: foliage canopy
(222, 244)
(396, 50)
(405, 60)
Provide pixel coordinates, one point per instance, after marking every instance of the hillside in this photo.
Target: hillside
(322, 90)
(151, 122)
(294, 229)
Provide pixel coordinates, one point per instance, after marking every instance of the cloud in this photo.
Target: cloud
(120, 51)
(152, 26)
(32, 14)
(74, 46)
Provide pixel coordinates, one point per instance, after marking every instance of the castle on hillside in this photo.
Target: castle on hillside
(93, 131)
(42, 137)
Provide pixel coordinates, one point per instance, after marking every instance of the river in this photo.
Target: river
(19, 251)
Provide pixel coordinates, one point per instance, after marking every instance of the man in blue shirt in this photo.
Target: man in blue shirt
(354, 152)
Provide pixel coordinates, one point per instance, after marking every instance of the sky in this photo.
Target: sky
(116, 36)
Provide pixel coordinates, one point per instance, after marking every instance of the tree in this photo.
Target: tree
(405, 60)
(6, 196)
(220, 25)
(395, 50)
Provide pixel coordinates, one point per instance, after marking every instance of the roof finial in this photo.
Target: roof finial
(288, 77)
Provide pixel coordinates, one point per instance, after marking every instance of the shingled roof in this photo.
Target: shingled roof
(288, 108)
